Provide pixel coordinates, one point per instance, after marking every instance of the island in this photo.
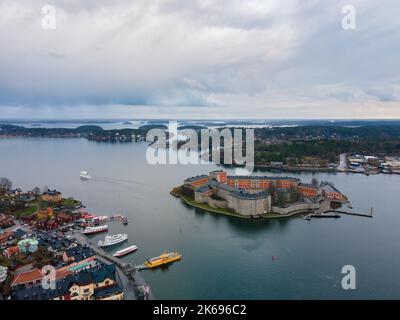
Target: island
(259, 196)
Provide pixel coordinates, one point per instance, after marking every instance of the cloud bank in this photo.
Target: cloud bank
(201, 58)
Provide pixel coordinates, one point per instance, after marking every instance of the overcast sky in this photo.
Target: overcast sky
(200, 59)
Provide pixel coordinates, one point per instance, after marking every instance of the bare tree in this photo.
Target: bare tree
(5, 183)
(315, 182)
(36, 191)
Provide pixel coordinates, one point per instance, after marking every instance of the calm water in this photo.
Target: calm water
(223, 258)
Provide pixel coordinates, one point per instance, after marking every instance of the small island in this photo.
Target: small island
(258, 196)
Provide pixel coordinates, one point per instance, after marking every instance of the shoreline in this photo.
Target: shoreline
(209, 209)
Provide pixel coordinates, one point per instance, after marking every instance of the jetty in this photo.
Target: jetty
(336, 214)
(321, 215)
(135, 287)
(354, 213)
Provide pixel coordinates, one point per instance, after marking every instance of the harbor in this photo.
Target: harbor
(337, 214)
(157, 221)
(135, 286)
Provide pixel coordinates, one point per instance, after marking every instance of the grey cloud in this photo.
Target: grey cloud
(249, 58)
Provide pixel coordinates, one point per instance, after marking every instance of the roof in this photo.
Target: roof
(241, 194)
(107, 291)
(308, 185)
(12, 251)
(19, 233)
(28, 242)
(6, 235)
(52, 192)
(197, 178)
(220, 185)
(203, 189)
(65, 280)
(263, 177)
(26, 277)
(79, 253)
(327, 187)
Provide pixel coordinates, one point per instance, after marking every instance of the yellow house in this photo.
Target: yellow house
(45, 214)
(100, 284)
(52, 196)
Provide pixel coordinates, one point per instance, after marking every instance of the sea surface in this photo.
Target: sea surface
(223, 257)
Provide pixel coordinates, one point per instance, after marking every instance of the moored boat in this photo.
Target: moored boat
(112, 240)
(97, 229)
(163, 259)
(125, 251)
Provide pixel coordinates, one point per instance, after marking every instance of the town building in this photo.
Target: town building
(11, 251)
(6, 237)
(52, 196)
(98, 283)
(28, 246)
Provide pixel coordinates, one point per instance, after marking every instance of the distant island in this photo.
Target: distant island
(90, 132)
(352, 146)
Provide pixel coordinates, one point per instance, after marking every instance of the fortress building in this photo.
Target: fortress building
(254, 195)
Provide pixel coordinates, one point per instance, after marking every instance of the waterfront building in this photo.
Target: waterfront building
(77, 254)
(98, 283)
(330, 192)
(197, 181)
(308, 190)
(252, 195)
(51, 196)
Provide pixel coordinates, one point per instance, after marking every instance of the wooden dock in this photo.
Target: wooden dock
(336, 214)
(354, 213)
(321, 215)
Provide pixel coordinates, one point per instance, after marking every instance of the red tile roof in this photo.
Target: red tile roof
(25, 277)
(5, 236)
(11, 251)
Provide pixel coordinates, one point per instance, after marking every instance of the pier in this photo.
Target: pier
(353, 213)
(135, 287)
(321, 215)
(336, 214)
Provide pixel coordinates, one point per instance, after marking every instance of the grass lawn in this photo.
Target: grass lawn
(69, 202)
(27, 211)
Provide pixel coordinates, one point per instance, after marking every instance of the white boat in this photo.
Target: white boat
(97, 229)
(85, 175)
(112, 240)
(3, 274)
(125, 251)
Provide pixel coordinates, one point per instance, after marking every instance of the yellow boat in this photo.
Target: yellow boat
(165, 258)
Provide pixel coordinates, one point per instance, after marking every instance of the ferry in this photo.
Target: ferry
(100, 219)
(165, 258)
(112, 240)
(92, 230)
(125, 251)
(85, 175)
